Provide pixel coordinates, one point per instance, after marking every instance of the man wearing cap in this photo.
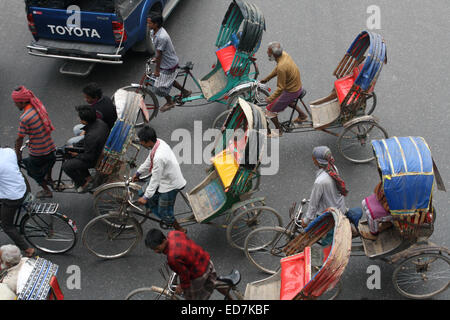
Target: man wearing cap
(35, 123)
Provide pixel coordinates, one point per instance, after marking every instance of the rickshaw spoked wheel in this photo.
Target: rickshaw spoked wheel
(354, 143)
(151, 103)
(371, 103)
(422, 276)
(114, 199)
(248, 220)
(264, 247)
(251, 95)
(110, 236)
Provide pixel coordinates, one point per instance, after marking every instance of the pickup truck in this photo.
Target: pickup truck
(91, 31)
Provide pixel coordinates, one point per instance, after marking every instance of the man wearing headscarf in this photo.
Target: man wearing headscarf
(35, 123)
(329, 189)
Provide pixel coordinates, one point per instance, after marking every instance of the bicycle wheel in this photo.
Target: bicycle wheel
(150, 100)
(354, 142)
(264, 247)
(110, 236)
(114, 199)
(220, 120)
(151, 293)
(52, 233)
(371, 103)
(257, 96)
(253, 72)
(249, 220)
(422, 276)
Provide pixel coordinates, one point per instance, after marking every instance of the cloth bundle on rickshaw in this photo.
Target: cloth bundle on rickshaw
(408, 173)
(128, 104)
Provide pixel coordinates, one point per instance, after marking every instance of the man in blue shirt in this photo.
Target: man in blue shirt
(12, 194)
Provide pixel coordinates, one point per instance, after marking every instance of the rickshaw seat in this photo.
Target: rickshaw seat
(295, 274)
(344, 84)
(232, 279)
(225, 56)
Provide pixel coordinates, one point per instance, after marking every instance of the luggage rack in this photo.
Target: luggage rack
(44, 208)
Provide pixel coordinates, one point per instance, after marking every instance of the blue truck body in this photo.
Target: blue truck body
(96, 31)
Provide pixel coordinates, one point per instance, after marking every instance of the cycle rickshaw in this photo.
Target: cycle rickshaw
(225, 192)
(349, 106)
(408, 173)
(307, 273)
(238, 40)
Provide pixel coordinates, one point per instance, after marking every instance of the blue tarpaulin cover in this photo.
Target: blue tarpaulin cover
(407, 173)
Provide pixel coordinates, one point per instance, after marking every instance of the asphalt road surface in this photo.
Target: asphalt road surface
(413, 99)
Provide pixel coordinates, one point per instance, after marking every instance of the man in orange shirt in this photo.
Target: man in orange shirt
(35, 123)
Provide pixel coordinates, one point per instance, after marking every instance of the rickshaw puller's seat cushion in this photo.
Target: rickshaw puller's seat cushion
(295, 274)
(225, 56)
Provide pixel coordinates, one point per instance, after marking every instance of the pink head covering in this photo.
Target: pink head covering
(22, 94)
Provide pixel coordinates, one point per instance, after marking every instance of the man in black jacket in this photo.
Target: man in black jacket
(104, 109)
(94, 140)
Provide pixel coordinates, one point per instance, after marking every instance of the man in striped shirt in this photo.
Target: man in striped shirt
(35, 123)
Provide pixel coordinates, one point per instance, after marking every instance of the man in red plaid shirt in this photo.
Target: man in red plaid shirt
(187, 259)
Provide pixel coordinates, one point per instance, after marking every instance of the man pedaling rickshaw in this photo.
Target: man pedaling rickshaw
(289, 86)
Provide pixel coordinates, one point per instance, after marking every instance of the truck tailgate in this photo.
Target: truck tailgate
(57, 24)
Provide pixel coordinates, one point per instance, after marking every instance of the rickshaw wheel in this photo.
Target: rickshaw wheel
(109, 236)
(264, 247)
(113, 199)
(371, 103)
(354, 142)
(151, 293)
(256, 96)
(427, 272)
(220, 120)
(151, 102)
(51, 233)
(249, 220)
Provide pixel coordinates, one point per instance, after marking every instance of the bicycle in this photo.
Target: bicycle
(225, 284)
(44, 227)
(117, 228)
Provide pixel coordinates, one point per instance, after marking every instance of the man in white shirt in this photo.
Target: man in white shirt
(166, 180)
(12, 194)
